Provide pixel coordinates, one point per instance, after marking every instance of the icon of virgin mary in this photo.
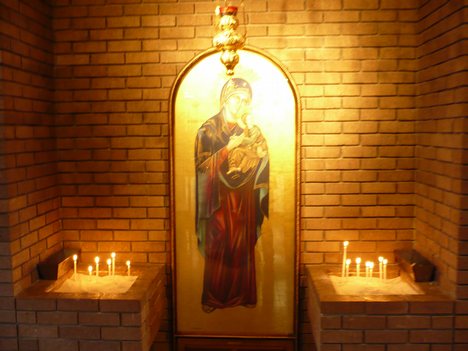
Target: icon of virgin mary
(232, 178)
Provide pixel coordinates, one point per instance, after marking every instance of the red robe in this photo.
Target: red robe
(230, 211)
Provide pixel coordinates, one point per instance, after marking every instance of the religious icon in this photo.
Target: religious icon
(234, 198)
(232, 192)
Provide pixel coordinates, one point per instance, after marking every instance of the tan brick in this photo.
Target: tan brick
(10, 330)
(389, 307)
(431, 336)
(409, 322)
(99, 345)
(340, 307)
(124, 21)
(80, 332)
(341, 336)
(37, 331)
(33, 304)
(77, 305)
(57, 317)
(148, 246)
(119, 306)
(361, 4)
(121, 333)
(107, 58)
(98, 318)
(363, 322)
(386, 336)
(58, 345)
(408, 347)
(131, 319)
(325, 5)
(433, 307)
(443, 322)
(88, 22)
(311, 258)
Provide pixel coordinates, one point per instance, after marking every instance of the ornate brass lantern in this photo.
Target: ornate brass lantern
(227, 39)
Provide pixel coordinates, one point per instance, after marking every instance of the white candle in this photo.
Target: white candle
(96, 260)
(128, 267)
(348, 262)
(109, 262)
(90, 269)
(343, 264)
(371, 269)
(367, 269)
(113, 262)
(385, 261)
(358, 266)
(75, 257)
(380, 266)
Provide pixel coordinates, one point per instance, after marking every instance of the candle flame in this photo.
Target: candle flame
(348, 261)
(109, 261)
(358, 260)
(90, 269)
(380, 258)
(75, 257)
(113, 254)
(346, 243)
(96, 259)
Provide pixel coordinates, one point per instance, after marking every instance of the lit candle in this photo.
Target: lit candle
(96, 260)
(109, 262)
(358, 266)
(371, 269)
(380, 266)
(113, 262)
(90, 269)
(385, 261)
(348, 262)
(343, 264)
(367, 269)
(128, 267)
(75, 257)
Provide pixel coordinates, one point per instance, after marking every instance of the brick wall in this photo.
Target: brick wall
(354, 64)
(114, 69)
(29, 219)
(92, 322)
(429, 322)
(440, 221)
(371, 73)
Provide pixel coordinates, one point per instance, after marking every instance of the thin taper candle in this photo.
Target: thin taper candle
(358, 266)
(109, 264)
(113, 262)
(75, 258)
(385, 261)
(343, 264)
(380, 266)
(128, 267)
(96, 260)
(90, 269)
(348, 262)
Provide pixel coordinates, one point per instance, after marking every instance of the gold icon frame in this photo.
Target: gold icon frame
(194, 98)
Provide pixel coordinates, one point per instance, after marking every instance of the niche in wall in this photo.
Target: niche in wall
(234, 166)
